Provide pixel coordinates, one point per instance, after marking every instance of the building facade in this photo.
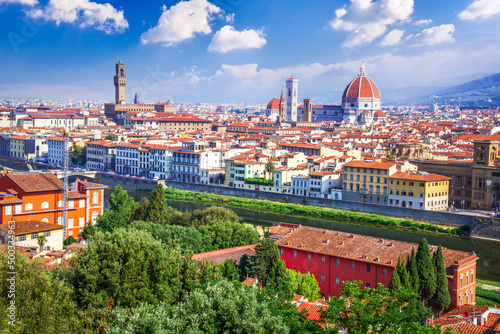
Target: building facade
(101, 155)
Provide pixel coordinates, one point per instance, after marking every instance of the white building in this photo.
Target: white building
(291, 95)
(127, 159)
(101, 155)
(325, 185)
(26, 234)
(160, 162)
(56, 150)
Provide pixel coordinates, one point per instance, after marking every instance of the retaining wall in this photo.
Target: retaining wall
(128, 183)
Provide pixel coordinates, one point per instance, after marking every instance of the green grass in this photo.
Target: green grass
(488, 282)
(488, 294)
(485, 302)
(308, 211)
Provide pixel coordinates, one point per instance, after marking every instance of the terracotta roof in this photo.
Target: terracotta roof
(361, 86)
(358, 247)
(31, 226)
(374, 165)
(35, 182)
(418, 176)
(273, 104)
(467, 328)
(88, 184)
(76, 194)
(219, 256)
(312, 310)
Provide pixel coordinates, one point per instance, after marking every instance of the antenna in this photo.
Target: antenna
(65, 180)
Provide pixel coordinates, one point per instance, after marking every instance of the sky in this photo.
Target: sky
(241, 51)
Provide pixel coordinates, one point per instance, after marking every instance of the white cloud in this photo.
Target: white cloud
(367, 19)
(480, 8)
(432, 36)
(21, 2)
(392, 38)
(84, 13)
(182, 21)
(228, 39)
(422, 22)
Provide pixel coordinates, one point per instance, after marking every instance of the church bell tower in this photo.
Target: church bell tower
(120, 83)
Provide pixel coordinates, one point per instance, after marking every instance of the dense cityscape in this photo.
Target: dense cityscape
(310, 210)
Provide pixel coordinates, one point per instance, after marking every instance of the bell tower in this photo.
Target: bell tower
(120, 82)
(485, 152)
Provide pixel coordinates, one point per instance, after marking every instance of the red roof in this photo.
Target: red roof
(361, 86)
(273, 104)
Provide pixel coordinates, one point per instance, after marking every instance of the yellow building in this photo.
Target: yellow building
(419, 190)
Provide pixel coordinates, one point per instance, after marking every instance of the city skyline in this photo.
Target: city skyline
(240, 52)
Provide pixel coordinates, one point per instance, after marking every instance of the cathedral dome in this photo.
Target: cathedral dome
(274, 104)
(379, 114)
(361, 87)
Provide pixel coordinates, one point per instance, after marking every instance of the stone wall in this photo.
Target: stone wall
(442, 218)
(128, 183)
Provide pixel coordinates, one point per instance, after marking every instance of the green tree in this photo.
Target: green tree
(121, 209)
(208, 272)
(411, 267)
(303, 284)
(42, 240)
(140, 210)
(269, 169)
(43, 302)
(267, 265)
(69, 240)
(212, 214)
(245, 266)
(441, 299)
(221, 235)
(377, 311)
(157, 211)
(79, 155)
(129, 266)
(395, 283)
(426, 271)
(188, 238)
(230, 270)
(404, 277)
(109, 137)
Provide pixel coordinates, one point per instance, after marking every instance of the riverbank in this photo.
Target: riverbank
(310, 211)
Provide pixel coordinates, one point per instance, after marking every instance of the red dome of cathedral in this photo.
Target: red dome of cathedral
(379, 114)
(361, 86)
(273, 104)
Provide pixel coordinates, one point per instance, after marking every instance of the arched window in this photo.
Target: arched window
(45, 220)
(95, 197)
(45, 205)
(467, 297)
(28, 206)
(336, 196)
(461, 300)
(466, 279)
(60, 204)
(59, 220)
(95, 214)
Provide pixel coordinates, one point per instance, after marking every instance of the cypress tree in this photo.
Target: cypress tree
(157, 211)
(441, 299)
(395, 283)
(411, 267)
(404, 277)
(426, 271)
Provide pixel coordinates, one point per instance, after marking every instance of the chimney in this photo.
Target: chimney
(327, 241)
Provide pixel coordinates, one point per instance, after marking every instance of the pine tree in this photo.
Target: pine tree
(157, 211)
(441, 299)
(395, 283)
(426, 271)
(411, 267)
(404, 277)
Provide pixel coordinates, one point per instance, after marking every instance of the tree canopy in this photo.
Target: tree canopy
(157, 211)
(121, 209)
(224, 234)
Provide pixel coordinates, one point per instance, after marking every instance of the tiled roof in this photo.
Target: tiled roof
(219, 256)
(358, 247)
(31, 226)
(374, 165)
(35, 182)
(312, 309)
(89, 185)
(467, 328)
(418, 176)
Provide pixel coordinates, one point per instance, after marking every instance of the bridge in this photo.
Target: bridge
(82, 175)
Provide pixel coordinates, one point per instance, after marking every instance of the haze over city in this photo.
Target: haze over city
(241, 51)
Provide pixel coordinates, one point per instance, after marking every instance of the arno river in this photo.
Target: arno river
(488, 266)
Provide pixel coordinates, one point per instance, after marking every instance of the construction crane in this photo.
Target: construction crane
(65, 166)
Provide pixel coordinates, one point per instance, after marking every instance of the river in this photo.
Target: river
(488, 266)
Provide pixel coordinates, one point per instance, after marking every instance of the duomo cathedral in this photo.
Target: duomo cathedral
(360, 104)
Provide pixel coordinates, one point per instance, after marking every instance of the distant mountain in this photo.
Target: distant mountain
(482, 83)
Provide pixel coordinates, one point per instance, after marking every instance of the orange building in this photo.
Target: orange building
(38, 196)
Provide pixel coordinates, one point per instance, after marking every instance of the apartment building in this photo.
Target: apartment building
(101, 155)
(56, 150)
(127, 159)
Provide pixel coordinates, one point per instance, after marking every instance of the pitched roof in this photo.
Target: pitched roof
(219, 256)
(31, 226)
(35, 182)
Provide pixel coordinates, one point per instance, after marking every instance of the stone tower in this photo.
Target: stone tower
(307, 110)
(282, 110)
(485, 152)
(120, 83)
(292, 87)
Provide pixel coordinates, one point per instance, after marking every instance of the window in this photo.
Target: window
(384, 271)
(322, 277)
(46, 233)
(70, 222)
(95, 197)
(28, 206)
(352, 264)
(60, 204)
(472, 276)
(22, 238)
(337, 262)
(45, 205)
(8, 209)
(34, 236)
(294, 253)
(461, 281)
(466, 279)
(337, 280)
(281, 251)
(71, 204)
(95, 214)
(368, 285)
(368, 268)
(19, 208)
(322, 259)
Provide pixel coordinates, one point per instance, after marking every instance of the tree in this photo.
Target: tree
(377, 311)
(212, 214)
(221, 235)
(230, 270)
(411, 267)
(43, 302)
(42, 240)
(121, 209)
(269, 169)
(69, 240)
(426, 271)
(129, 266)
(79, 155)
(109, 137)
(303, 284)
(267, 265)
(157, 211)
(404, 277)
(395, 283)
(140, 210)
(441, 299)
(245, 266)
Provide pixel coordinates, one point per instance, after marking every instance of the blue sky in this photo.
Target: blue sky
(241, 51)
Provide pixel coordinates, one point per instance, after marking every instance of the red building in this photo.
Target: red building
(334, 257)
